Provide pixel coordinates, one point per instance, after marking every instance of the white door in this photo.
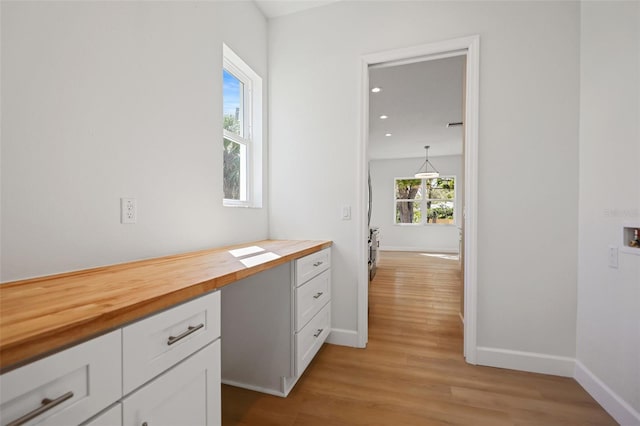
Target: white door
(186, 395)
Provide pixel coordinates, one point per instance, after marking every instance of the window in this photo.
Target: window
(242, 132)
(425, 201)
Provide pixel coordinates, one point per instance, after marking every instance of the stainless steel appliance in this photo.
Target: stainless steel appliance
(374, 243)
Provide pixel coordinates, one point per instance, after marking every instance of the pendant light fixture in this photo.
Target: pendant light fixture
(426, 173)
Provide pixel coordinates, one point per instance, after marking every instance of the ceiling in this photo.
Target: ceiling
(275, 8)
(419, 99)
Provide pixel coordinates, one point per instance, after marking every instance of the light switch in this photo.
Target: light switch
(613, 257)
(346, 212)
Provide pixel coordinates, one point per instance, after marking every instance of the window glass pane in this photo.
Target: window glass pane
(408, 212)
(234, 156)
(408, 189)
(232, 99)
(441, 188)
(439, 211)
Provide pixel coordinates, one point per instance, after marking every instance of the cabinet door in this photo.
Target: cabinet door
(186, 395)
(111, 417)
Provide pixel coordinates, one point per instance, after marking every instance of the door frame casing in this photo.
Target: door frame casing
(469, 46)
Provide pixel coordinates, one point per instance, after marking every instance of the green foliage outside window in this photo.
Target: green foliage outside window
(435, 198)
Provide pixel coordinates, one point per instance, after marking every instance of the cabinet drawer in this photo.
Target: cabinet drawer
(311, 337)
(188, 394)
(311, 297)
(82, 380)
(310, 266)
(156, 343)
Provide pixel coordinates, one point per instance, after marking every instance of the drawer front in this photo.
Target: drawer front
(153, 345)
(311, 337)
(311, 297)
(310, 266)
(76, 383)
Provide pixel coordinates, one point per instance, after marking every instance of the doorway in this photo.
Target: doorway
(469, 48)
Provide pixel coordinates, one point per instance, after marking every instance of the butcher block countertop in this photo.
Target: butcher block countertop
(42, 315)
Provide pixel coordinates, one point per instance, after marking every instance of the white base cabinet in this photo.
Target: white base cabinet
(274, 323)
(171, 367)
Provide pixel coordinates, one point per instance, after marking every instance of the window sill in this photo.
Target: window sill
(240, 205)
(427, 224)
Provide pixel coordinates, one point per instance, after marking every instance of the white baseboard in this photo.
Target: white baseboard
(620, 410)
(419, 249)
(526, 361)
(342, 337)
(254, 388)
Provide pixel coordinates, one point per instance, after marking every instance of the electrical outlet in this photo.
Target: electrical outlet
(613, 257)
(128, 210)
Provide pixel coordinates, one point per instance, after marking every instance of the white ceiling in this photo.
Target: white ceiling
(275, 8)
(419, 99)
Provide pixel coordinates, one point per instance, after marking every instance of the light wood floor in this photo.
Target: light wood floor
(412, 371)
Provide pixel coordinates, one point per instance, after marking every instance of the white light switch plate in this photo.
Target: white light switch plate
(613, 257)
(346, 212)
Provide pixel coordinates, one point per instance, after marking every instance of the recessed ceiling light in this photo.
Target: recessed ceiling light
(387, 134)
(383, 117)
(376, 89)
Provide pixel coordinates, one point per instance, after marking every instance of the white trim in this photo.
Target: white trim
(630, 250)
(254, 388)
(252, 123)
(619, 409)
(526, 361)
(419, 249)
(362, 234)
(342, 337)
(460, 46)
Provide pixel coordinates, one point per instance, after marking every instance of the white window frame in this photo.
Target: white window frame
(251, 141)
(424, 200)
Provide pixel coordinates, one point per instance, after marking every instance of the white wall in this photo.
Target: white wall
(528, 145)
(433, 238)
(102, 100)
(608, 326)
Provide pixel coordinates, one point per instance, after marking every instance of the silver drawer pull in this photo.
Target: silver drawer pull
(318, 263)
(319, 332)
(47, 404)
(318, 295)
(190, 330)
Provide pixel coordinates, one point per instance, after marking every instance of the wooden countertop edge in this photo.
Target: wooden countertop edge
(20, 352)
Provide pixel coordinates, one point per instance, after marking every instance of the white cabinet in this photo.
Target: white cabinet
(66, 388)
(186, 395)
(313, 306)
(162, 370)
(273, 324)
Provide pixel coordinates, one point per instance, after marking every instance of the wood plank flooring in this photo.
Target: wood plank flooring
(412, 371)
